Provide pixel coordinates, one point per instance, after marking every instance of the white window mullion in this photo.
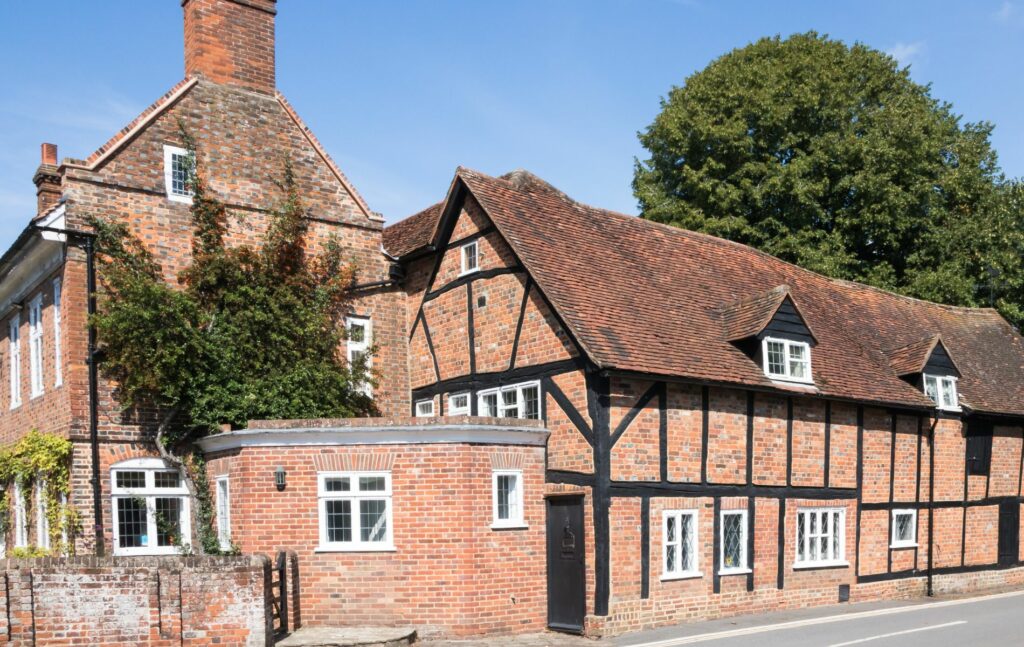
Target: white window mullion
(57, 361)
(14, 340)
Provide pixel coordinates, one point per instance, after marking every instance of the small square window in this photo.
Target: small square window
(941, 389)
(425, 409)
(458, 404)
(785, 359)
(904, 529)
(508, 499)
(470, 257)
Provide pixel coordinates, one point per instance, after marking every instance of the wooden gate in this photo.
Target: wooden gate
(279, 593)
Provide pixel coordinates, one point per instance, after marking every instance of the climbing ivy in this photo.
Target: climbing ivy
(47, 458)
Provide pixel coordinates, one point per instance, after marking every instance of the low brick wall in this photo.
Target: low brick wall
(152, 601)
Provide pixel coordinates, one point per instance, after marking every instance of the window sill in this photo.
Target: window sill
(735, 571)
(950, 409)
(35, 396)
(810, 566)
(147, 552)
(689, 575)
(356, 549)
(789, 380)
(903, 545)
(510, 526)
(184, 199)
(468, 272)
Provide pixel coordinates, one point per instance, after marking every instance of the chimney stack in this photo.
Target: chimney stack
(231, 42)
(47, 180)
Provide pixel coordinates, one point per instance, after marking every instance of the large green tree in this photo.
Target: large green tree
(831, 157)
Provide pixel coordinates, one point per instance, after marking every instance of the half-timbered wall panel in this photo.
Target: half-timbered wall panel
(905, 468)
(421, 358)
(447, 318)
(541, 339)
(567, 448)
(808, 443)
(950, 447)
(770, 440)
(636, 455)
(948, 536)
(874, 542)
(727, 436)
(683, 413)
(982, 534)
(843, 445)
(877, 452)
(496, 303)
(1004, 473)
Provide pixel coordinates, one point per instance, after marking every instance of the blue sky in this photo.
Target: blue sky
(401, 92)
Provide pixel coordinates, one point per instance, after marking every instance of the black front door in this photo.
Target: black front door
(567, 596)
(1009, 532)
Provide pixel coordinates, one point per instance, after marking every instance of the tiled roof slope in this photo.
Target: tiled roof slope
(414, 232)
(645, 297)
(749, 316)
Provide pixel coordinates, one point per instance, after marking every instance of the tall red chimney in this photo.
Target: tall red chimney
(231, 42)
(47, 180)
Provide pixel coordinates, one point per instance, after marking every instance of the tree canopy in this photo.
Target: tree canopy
(248, 332)
(831, 157)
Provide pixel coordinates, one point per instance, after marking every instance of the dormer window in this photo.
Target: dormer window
(788, 360)
(942, 390)
(470, 257)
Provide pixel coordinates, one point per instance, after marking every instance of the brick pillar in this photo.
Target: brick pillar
(47, 180)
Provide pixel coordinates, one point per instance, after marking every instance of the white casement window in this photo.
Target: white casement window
(820, 537)
(733, 542)
(151, 508)
(515, 401)
(679, 538)
(35, 345)
(470, 257)
(507, 501)
(176, 174)
(458, 404)
(14, 338)
(20, 517)
(904, 529)
(785, 359)
(42, 519)
(58, 371)
(358, 346)
(425, 409)
(355, 511)
(223, 512)
(942, 390)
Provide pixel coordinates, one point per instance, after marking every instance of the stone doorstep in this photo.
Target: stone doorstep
(349, 637)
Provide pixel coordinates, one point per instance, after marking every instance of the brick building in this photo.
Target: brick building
(590, 422)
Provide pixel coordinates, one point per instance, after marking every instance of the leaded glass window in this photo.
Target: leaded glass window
(904, 528)
(680, 544)
(734, 541)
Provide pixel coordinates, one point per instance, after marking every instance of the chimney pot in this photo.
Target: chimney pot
(49, 154)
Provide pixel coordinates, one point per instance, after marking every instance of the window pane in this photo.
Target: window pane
(836, 520)
(167, 479)
(670, 530)
(339, 520)
(506, 484)
(686, 546)
(797, 361)
(356, 333)
(732, 541)
(531, 402)
(168, 521)
(132, 522)
(801, 537)
(776, 358)
(931, 388)
(179, 174)
(948, 393)
(509, 404)
(130, 479)
(373, 524)
(371, 484)
(336, 484)
(904, 527)
(489, 405)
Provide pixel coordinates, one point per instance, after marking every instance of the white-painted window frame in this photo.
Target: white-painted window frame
(149, 493)
(831, 513)
(744, 557)
(354, 495)
(678, 547)
(14, 341)
(894, 542)
(20, 517)
(787, 374)
(470, 251)
(58, 363)
(169, 153)
(223, 488)
(35, 346)
(42, 509)
(455, 409)
(425, 408)
(354, 347)
(944, 385)
(501, 409)
(516, 517)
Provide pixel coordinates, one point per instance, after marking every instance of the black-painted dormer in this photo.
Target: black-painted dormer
(771, 326)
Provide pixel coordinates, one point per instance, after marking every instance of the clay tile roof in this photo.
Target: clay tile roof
(749, 316)
(644, 297)
(912, 358)
(413, 233)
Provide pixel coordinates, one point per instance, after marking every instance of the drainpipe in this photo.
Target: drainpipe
(86, 241)
(931, 500)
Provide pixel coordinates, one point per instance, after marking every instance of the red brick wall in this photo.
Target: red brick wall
(231, 42)
(445, 549)
(163, 602)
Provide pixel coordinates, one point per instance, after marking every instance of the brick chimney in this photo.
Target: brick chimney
(231, 42)
(47, 180)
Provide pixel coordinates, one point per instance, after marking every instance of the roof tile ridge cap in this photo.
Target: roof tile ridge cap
(415, 215)
(320, 150)
(931, 338)
(781, 290)
(177, 91)
(977, 310)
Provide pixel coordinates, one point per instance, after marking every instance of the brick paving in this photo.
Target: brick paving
(547, 639)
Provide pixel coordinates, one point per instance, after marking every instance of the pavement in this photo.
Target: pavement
(982, 621)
